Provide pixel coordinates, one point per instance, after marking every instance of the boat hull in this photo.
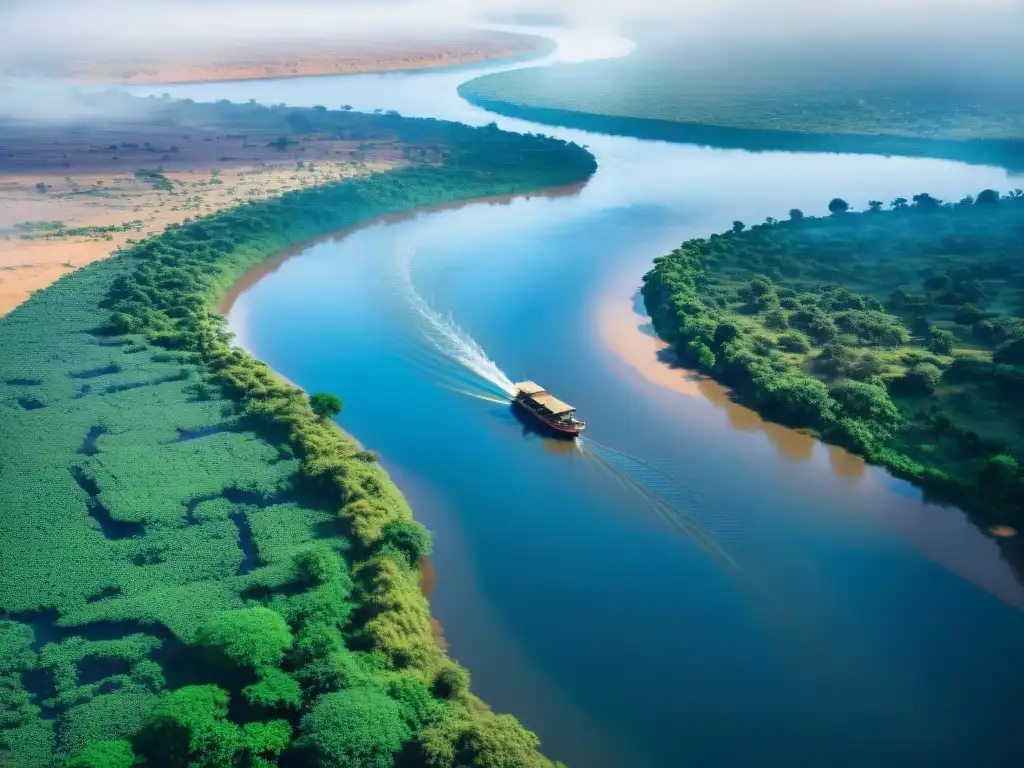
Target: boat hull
(555, 428)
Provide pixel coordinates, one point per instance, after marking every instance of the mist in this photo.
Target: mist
(31, 31)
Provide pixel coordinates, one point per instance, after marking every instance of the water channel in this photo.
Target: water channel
(688, 585)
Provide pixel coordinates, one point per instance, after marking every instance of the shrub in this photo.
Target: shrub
(923, 378)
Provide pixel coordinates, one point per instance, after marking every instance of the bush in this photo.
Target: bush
(923, 378)
(794, 342)
(325, 405)
(941, 342)
(251, 637)
(355, 728)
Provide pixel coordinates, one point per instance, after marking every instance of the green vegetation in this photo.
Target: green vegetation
(898, 334)
(325, 404)
(807, 96)
(198, 570)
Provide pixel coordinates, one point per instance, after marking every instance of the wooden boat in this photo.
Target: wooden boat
(548, 410)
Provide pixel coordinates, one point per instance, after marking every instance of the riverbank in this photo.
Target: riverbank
(229, 516)
(914, 370)
(1006, 153)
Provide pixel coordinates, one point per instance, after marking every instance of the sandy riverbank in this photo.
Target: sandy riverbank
(248, 59)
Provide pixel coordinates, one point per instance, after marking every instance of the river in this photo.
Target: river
(689, 585)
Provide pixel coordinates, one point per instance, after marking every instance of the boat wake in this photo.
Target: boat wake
(446, 337)
(680, 507)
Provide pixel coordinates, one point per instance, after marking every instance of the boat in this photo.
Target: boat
(558, 416)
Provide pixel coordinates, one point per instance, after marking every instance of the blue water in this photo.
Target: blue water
(685, 586)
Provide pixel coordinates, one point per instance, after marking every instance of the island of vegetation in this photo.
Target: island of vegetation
(199, 568)
(810, 96)
(896, 333)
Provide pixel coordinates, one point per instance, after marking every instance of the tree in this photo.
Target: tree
(941, 342)
(1011, 352)
(325, 405)
(319, 108)
(838, 205)
(406, 537)
(968, 314)
(354, 728)
(1000, 475)
(702, 354)
(926, 202)
(923, 378)
(795, 214)
(346, 107)
(987, 197)
(870, 403)
(249, 637)
(104, 754)
(899, 203)
(738, 226)
(189, 727)
(451, 682)
(875, 205)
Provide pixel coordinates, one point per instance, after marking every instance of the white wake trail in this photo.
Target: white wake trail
(447, 337)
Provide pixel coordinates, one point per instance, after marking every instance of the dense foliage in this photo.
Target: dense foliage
(197, 568)
(898, 334)
(803, 97)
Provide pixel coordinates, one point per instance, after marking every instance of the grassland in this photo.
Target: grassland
(774, 100)
(198, 570)
(896, 333)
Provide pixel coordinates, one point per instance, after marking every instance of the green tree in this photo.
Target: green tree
(701, 354)
(1001, 475)
(1010, 352)
(899, 203)
(104, 754)
(738, 226)
(874, 206)
(325, 405)
(406, 537)
(354, 728)
(795, 214)
(987, 197)
(870, 403)
(941, 342)
(189, 727)
(250, 637)
(922, 378)
(838, 205)
(968, 314)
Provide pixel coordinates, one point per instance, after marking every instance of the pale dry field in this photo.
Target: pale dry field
(298, 57)
(91, 190)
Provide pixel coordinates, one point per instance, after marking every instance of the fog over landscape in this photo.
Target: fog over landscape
(59, 28)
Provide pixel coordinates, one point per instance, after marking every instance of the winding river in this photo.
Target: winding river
(689, 585)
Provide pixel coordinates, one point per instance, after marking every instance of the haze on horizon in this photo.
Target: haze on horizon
(34, 29)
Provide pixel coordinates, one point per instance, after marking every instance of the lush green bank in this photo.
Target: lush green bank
(771, 100)
(197, 569)
(896, 333)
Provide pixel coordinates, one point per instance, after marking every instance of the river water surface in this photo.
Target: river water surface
(688, 585)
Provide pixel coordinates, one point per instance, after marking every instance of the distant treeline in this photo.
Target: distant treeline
(199, 568)
(897, 333)
(1006, 153)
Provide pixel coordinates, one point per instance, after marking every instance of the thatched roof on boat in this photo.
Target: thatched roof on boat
(530, 388)
(552, 404)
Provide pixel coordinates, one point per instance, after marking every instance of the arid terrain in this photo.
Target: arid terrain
(242, 59)
(69, 199)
